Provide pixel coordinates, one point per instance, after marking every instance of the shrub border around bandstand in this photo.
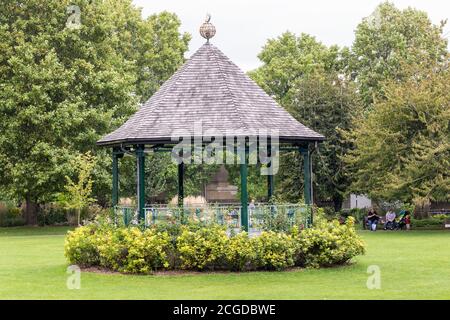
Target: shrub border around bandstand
(199, 247)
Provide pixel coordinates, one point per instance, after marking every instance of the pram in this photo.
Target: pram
(401, 224)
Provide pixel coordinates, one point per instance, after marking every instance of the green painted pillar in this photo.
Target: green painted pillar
(270, 187)
(180, 184)
(115, 178)
(140, 157)
(244, 191)
(307, 174)
(307, 179)
(270, 182)
(181, 189)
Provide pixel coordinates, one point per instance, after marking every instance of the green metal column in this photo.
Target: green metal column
(115, 178)
(270, 187)
(270, 184)
(140, 156)
(307, 179)
(307, 174)
(180, 184)
(244, 192)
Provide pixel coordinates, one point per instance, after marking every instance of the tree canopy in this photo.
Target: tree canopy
(402, 148)
(307, 78)
(387, 37)
(63, 87)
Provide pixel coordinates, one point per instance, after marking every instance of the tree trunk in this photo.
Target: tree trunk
(31, 212)
(337, 202)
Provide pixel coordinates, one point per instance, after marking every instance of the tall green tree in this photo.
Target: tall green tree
(161, 52)
(307, 78)
(327, 102)
(67, 77)
(390, 35)
(402, 147)
(288, 58)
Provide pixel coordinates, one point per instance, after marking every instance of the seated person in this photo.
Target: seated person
(408, 220)
(372, 219)
(390, 220)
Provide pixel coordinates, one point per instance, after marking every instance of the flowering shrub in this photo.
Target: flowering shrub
(199, 247)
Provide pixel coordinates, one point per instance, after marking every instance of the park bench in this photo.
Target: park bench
(447, 224)
(440, 211)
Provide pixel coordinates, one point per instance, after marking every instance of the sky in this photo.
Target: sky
(244, 26)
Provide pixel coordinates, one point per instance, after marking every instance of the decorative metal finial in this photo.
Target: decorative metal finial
(207, 30)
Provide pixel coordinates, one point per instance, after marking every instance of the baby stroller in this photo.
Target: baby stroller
(401, 224)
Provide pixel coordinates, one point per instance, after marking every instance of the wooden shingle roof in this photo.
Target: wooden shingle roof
(212, 89)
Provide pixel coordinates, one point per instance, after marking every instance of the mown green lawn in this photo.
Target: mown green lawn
(414, 265)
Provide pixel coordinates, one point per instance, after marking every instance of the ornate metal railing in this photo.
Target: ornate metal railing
(261, 216)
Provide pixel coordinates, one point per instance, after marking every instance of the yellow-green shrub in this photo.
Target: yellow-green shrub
(112, 248)
(274, 250)
(327, 243)
(80, 246)
(146, 250)
(199, 247)
(239, 253)
(132, 250)
(202, 248)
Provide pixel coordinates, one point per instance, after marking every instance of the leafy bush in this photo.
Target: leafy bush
(146, 251)
(81, 246)
(55, 214)
(132, 250)
(328, 243)
(429, 223)
(239, 254)
(199, 247)
(274, 250)
(441, 217)
(11, 216)
(112, 249)
(329, 211)
(52, 215)
(202, 248)
(357, 213)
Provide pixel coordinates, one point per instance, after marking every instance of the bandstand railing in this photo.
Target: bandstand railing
(261, 216)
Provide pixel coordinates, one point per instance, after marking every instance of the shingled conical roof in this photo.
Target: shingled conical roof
(212, 89)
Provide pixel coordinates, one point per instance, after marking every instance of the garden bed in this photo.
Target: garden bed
(197, 247)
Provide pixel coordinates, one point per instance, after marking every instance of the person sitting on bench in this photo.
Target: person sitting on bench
(372, 219)
(390, 220)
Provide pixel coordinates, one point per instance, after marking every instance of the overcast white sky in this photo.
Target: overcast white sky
(243, 26)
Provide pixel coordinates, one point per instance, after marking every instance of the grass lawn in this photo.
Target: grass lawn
(414, 265)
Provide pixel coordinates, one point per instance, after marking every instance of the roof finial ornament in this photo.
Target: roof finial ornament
(207, 30)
